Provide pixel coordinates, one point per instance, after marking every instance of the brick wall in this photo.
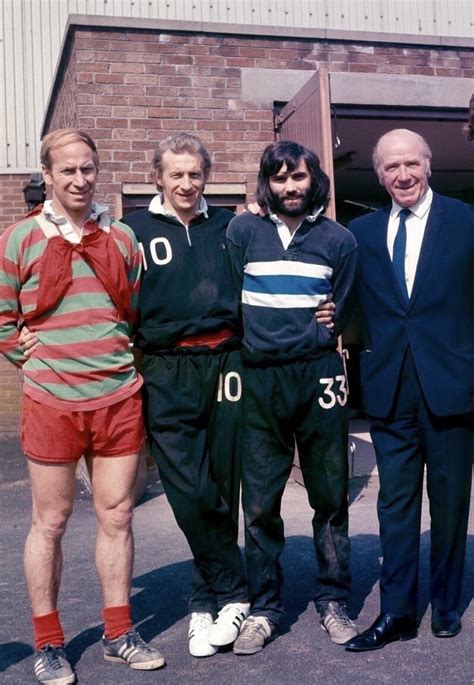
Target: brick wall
(10, 399)
(12, 208)
(66, 108)
(132, 88)
(12, 202)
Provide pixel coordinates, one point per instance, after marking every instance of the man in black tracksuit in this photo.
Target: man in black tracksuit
(285, 264)
(189, 336)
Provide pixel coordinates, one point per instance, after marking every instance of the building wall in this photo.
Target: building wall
(12, 202)
(12, 208)
(135, 87)
(32, 31)
(130, 88)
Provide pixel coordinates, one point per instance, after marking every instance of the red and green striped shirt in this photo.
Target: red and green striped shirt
(84, 360)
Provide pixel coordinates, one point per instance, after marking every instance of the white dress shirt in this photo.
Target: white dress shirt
(415, 225)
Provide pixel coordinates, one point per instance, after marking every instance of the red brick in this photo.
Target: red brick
(225, 92)
(98, 43)
(228, 114)
(226, 72)
(424, 71)
(241, 62)
(171, 126)
(178, 102)
(208, 60)
(211, 103)
(310, 66)
(211, 124)
(225, 50)
(175, 81)
(136, 124)
(195, 114)
(127, 68)
(229, 136)
(94, 110)
(192, 70)
(112, 122)
(142, 58)
(163, 112)
(257, 115)
(177, 59)
(362, 68)
(109, 78)
(193, 49)
(444, 71)
(161, 69)
(144, 100)
(145, 79)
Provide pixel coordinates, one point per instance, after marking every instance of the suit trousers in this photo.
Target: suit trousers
(304, 402)
(193, 414)
(409, 439)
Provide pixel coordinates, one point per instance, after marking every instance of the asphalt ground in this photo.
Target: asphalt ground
(302, 654)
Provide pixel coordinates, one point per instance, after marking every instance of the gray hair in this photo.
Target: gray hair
(400, 131)
(179, 143)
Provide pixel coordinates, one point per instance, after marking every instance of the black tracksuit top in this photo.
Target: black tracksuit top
(187, 286)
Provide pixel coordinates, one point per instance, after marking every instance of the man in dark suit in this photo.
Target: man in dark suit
(416, 295)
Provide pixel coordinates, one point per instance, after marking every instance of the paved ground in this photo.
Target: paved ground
(301, 655)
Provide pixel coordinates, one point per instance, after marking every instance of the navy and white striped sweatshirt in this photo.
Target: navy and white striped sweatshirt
(281, 288)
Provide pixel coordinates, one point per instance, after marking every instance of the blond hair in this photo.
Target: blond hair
(62, 137)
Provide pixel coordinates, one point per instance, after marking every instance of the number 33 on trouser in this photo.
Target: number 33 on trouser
(302, 402)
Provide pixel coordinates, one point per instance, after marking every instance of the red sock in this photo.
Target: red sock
(118, 621)
(48, 630)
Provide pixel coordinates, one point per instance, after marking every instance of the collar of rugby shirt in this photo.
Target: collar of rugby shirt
(99, 216)
(284, 232)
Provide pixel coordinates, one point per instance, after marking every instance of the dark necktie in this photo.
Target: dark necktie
(399, 250)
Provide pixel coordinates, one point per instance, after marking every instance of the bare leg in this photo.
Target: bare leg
(113, 481)
(52, 489)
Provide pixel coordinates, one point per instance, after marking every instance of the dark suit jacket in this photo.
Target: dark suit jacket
(438, 320)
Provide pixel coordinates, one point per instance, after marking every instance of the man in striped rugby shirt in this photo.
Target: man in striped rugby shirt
(72, 274)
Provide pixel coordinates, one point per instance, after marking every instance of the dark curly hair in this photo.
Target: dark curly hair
(290, 153)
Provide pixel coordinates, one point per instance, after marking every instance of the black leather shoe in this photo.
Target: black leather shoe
(387, 628)
(445, 623)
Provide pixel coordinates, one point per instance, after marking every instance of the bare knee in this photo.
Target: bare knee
(51, 525)
(116, 519)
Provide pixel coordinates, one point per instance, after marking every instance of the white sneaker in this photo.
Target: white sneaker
(256, 632)
(226, 627)
(199, 644)
(337, 624)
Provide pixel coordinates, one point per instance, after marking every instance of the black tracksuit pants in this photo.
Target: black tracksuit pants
(303, 402)
(193, 412)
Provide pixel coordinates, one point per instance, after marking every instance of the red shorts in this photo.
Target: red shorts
(56, 435)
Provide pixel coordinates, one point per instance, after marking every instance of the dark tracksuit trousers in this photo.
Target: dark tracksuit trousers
(193, 410)
(304, 402)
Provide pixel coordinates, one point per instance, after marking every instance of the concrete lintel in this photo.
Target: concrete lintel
(264, 31)
(265, 86)
(399, 90)
(211, 189)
